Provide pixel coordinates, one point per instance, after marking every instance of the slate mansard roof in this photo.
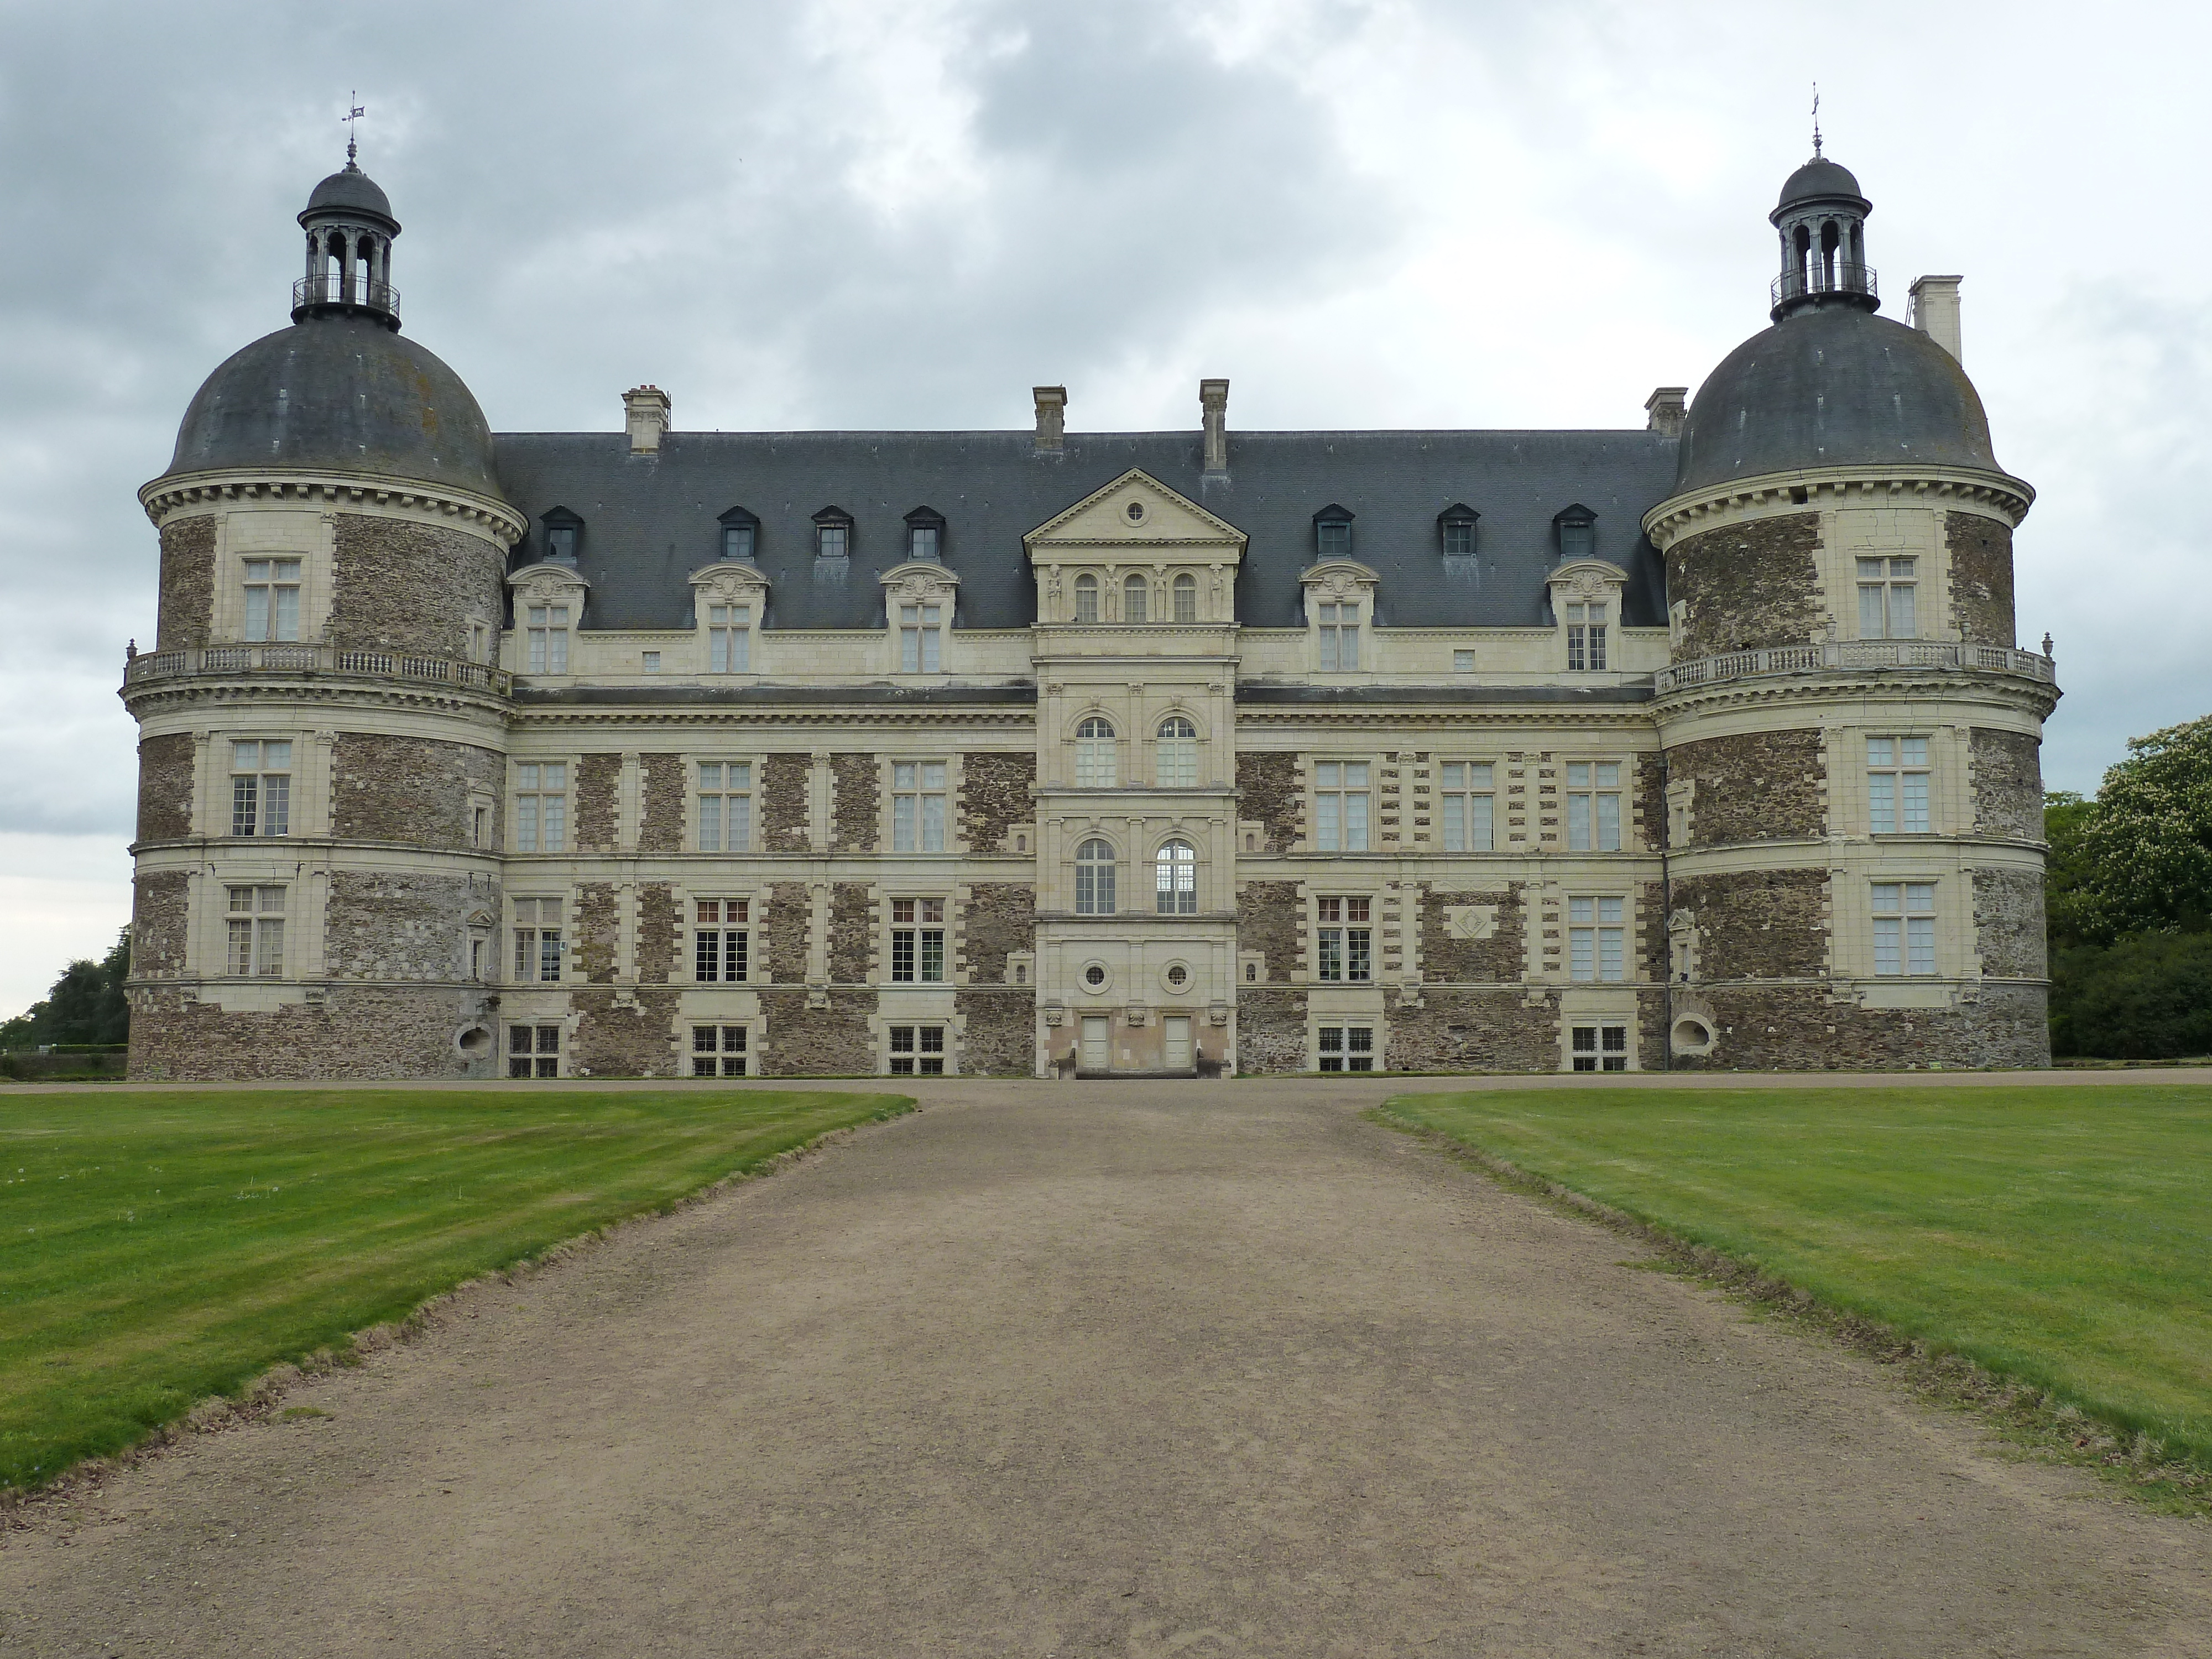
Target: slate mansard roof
(650, 520)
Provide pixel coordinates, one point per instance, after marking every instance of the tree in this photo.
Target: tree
(86, 1005)
(2066, 870)
(2146, 848)
(2148, 997)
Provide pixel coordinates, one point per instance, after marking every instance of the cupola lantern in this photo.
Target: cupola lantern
(1822, 218)
(349, 234)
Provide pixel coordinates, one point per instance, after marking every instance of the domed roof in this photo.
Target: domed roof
(350, 189)
(1818, 179)
(1834, 385)
(339, 394)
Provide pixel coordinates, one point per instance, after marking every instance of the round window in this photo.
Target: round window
(1692, 1034)
(1178, 976)
(1095, 976)
(1136, 512)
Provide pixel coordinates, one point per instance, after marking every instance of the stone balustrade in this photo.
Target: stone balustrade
(1868, 656)
(257, 660)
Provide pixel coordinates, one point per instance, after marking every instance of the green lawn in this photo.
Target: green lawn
(158, 1249)
(2059, 1236)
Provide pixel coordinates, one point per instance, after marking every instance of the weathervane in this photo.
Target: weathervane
(355, 111)
(1816, 120)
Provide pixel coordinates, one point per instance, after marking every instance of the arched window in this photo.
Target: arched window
(1086, 599)
(1178, 761)
(1175, 879)
(1094, 754)
(1134, 592)
(1094, 878)
(1186, 597)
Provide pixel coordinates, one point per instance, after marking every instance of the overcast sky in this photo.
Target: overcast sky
(905, 213)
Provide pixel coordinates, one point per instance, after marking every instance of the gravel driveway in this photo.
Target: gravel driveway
(1128, 1369)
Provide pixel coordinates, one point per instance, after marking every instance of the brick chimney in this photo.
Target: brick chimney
(645, 412)
(1213, 415)
(1051, 418)
(1664, 409)
(1936, 311)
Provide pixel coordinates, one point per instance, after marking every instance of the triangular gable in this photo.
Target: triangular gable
(1171, 517)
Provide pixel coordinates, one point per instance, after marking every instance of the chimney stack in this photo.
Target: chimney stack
(1936, 311)
(1051, 418)
(1664, 409)
(1213, 415)
(645, 412)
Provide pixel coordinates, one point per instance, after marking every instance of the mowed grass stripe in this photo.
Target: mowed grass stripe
(155, 1250)
(2059, 1236)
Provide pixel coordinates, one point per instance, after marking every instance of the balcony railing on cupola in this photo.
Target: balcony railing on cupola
(1860, 656)
(315, 658)
(333, 292)
(1822, 278)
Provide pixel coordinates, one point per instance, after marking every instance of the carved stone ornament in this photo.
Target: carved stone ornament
(921, 584)
(1470, 921)
(728, 584)
(542, 584)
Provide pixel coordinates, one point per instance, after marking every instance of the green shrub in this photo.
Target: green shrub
(2147, 996)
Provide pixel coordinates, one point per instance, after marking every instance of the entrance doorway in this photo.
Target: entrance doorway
(1097, 1056)
(1178, 1042)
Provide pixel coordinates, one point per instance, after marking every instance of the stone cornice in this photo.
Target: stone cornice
(1997, 494)
(400, 498)
(1902, 684)
(144, 698)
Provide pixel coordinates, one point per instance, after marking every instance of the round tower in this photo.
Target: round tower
(322, 749)
(1854, 799)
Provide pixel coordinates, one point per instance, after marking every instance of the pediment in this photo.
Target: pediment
(1163, 517)
(1587, 576)
(542, 582)
(1339, 576)
(733, 578)
(919, 581)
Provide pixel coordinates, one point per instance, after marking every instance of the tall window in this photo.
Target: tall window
(1175, 879)
(1600, 1048)
(1897, 785)
(917, 941)
(718, 1051)
(1086, 599)
(1094, 878)
(273, 599)
(1594, 806)
(548, 639)
(1466, 800)
(1136, 594)
(1886, 600)
(918, 639)
(537, 940)
(1345, 1047)
(1586, 637)
(257, 931)
(1178, 754)
(1904, 927)
(917, 1051)
(722, 941)
(729, 639)
(541, 807)
(1597, 936)
(1339, 638)
(1186, 597)
(533, 1051)
(261, 788)
(1341, 806)
(1095, 767)
(1343, 940)
(726, 807)
(917, 806)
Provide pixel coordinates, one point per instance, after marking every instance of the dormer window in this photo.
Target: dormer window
(833, 533)
(1455, 528)
(1577, 529)
(564, 530)
(1332, 532)
(740, 536)
(925, 534)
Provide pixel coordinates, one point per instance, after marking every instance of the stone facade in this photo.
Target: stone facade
(355, 1031)
(782, 943)
(1766, 786)
(2007, 775)
(1270, 919)
(998, 1033)
(783, 811)
(663, 782)
(399, 586)
(1981, 578)
(625, 1034)
(187, 582)
(852, 933)
(1271, 1030)
(1473, 1032)
(1801, 1027)
(831, 1041)
(1746, 585)
(994, 796)
(415, 790)
(394, 925)
(598, 932)
(2010, 935)
(856, 798)
(1473, 938)
(1757, 924)
(999, 918)
(1270, 795)
(659, 936)
(598, 786)
(166, 765)
(160, 916)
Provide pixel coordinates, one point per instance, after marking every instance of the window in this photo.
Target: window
(1347, 1047)
(548, 639)
(1086, 599)
(726, 807)
(718, 1051)
(1578, 531)
(729, 639)
(722, 941)
(918, 639)
(541, 807)
(1175, 879)
(537, 941)
(1339, 638)
(479, 642)
(1095, 766)
(1597, 949)
(480, 826)
(1466, 800)
(261, 788)
(477, 943)
(563, 530)
(650, 661)
(1455, 527)
(1343, 942)
(273, 599)
(917, 941)
(1341, 806)
(1586, 638)
(1600, 1048)
(738, 543)
(1904, 927)
(833, 533)
(257, 931)
(1186, 597)
(1136, 594)
(1094, 878)
(1333, 533)
(1897, 785)
(1178, 754)
(917, 806)
(917, 1051)
(1463, 662)
(1885, 606)
(533, 1051)
(922, 541)
(1594, 806)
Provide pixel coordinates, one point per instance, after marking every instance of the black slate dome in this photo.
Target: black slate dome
(339, 393)
(350, 189)
(1835, 386)
(1819, 179)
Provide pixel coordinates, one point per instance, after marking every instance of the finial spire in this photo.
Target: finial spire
(355, 111)
(1816, 120)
